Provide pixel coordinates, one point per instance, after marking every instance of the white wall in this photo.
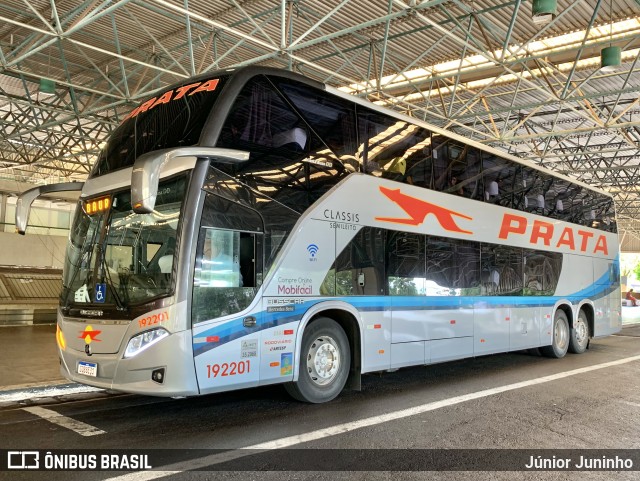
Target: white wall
(32, 250)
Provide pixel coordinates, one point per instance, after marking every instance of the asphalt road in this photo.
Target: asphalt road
(501, 402)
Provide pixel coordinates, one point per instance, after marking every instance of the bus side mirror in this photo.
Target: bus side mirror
(148, 168)
(23, 204)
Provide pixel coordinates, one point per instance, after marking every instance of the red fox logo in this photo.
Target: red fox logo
(89, 335)
(418, 210)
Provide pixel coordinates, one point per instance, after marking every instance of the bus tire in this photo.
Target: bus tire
(560, 343)
(579, 339)
(324, 362)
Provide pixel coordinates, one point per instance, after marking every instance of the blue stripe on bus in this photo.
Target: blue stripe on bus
(232, 330)
(602, 283)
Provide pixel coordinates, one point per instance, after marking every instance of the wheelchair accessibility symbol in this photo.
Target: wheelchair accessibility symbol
(101, 291)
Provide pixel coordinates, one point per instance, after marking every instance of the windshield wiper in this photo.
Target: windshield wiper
(83, 259)
(77, 268)
(114, 292)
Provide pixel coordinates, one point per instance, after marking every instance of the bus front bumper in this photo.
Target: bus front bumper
(171, 356)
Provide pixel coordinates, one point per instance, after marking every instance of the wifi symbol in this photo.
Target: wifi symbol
(313, 249)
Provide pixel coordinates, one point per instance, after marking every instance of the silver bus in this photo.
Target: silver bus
(253, 226)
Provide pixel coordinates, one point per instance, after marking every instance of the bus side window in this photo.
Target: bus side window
(472, 178)
(406, 264)
(420, 163)
(601, 215)
(331, 118)
(457, 168)
(440, 163)
(394, 149)
(501, 270)
(417, 160)
(359, 268)
(294, 139)
(610, 218)
(453, 267)
(260, 119)
(227, 274)
(379, 137)
(220, 259)
(556, 194)
(503, 182)
(541, 272)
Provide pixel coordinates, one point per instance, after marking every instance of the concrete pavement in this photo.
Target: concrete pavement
(30, 367)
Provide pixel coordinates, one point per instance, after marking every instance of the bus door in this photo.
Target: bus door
(228, 274)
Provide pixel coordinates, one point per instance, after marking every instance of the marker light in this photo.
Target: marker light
(97, 205)
(60, 338)
(142, 341)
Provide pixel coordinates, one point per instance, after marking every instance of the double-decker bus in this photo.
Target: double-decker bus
(252, 227)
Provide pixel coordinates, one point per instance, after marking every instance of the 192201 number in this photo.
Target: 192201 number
(228, 369)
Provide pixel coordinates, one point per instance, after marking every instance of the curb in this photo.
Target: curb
(33, 385)
(48, 393)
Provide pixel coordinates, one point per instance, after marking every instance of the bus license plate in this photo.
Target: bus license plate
(88, 368)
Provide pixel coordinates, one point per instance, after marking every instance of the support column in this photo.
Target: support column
(3, 210)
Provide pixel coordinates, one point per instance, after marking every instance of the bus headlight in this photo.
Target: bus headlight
(144, 340)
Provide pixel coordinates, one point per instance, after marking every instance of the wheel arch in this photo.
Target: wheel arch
(559, 346)
(589, 311)
(565, 306)
(349, 319)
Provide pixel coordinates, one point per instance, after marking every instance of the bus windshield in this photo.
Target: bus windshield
(117, 257)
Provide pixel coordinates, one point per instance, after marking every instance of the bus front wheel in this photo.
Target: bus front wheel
(579, 334)
(560, 343)
(324, 362)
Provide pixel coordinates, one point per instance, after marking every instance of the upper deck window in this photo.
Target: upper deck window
(173, 118)
(290, 162)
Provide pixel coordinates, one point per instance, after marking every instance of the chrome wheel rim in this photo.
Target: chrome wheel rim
(323, 360)
(561, 334)
(582, 331)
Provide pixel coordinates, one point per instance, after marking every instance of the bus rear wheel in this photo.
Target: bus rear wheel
(579, 339)
(324, 362)
(560, 343)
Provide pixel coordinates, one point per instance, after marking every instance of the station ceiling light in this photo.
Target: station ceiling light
(610, 58)
(47, 86)
(544, 11)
